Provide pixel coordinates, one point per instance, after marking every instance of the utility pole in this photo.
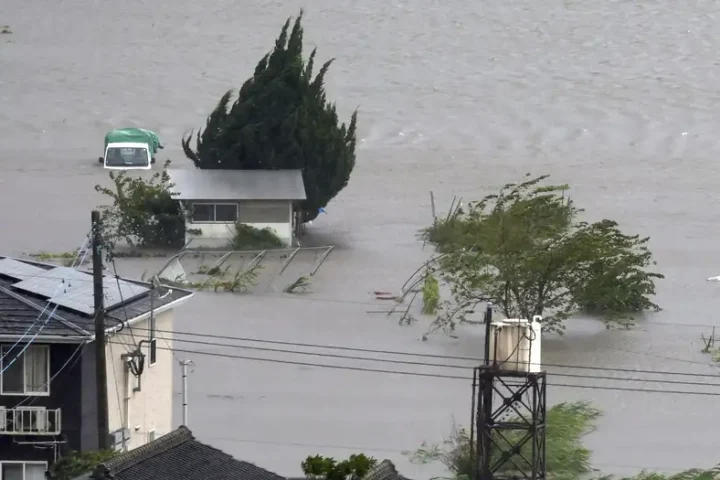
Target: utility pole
(184, 364)
(100, 360)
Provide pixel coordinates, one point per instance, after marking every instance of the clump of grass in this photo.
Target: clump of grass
(248, 237)
(242, 281)
(430, 294)
(567, 457)
(54, 256)
(212, 271)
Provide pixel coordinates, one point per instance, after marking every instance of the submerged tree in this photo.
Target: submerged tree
(567, 458)
(525, 250)
(281, 120)
(327, 468)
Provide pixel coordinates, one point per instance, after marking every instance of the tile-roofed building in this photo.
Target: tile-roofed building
(48, 385)
(177, 456)
(384, 470)
(19, 308)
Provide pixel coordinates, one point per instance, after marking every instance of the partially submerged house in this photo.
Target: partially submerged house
(48, 390)
(177, 456)
(218, 199)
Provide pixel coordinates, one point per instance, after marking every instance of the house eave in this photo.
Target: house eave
(146, 315)
(44, 338)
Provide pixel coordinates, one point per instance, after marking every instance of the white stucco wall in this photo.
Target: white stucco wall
(150, 408)
(218, 235)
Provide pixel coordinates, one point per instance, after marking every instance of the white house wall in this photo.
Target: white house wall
(150, 408)
(253, 213)
(219, 235)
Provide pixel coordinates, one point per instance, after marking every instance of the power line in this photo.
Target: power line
(50, 315)
(82, 248)
(396, 451)
(413, 354)
(122, 302)
(436, 365)
(74, 357)
(428, 375)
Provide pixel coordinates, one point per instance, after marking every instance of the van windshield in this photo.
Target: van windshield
(126, 157)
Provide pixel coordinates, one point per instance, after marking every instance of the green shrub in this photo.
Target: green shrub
(249, 238)
(431, 294)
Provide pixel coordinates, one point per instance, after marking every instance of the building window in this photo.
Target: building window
(214, 212)
(23, 470)
(153, 351)
(265, 212)
(27, 374)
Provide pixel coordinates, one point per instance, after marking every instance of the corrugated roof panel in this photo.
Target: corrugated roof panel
(215, 184)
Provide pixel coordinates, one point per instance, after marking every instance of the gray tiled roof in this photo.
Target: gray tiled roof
(384, 470)
(196, 184)
(19, 310)
(178, 456)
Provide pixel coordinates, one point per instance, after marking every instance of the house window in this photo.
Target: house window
(22, 470)
(153, 351)
(153, 341)
(214, 212)
(264, 212)
(26, 374)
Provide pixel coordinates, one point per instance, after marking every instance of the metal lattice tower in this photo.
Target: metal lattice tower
(507, 435)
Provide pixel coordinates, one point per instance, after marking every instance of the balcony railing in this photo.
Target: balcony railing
(29, 421)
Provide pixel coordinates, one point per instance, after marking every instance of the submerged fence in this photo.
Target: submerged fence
(276, 270)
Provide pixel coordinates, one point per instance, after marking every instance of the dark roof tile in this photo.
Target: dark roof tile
(384, 470)
(179, 456)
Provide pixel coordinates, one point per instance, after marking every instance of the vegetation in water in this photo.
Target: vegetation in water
(326, 468)
(74, 464)
(567, 458)
(430, 294)
(143, 212)
(5, 30)
(281, 119)
(298, 286)
(525, 250)
(247, 237)
(221, 280)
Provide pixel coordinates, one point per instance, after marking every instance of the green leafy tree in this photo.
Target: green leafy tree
(281, 119)
(566, 457)
(143, 212)
(525, 250)
(75, 463)
(327, 468)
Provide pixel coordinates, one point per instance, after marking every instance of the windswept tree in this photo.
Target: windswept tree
(526, 251)
(281, 119)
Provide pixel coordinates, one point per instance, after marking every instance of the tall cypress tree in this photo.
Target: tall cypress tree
(281, 120)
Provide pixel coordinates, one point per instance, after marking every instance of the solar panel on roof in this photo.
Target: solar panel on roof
(118, 291)
(19, 270)
(82, 299)
(54, 282)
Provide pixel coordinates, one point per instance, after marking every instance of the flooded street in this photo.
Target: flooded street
(616, 98)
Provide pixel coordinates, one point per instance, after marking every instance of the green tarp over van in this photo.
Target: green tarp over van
(134, 135)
